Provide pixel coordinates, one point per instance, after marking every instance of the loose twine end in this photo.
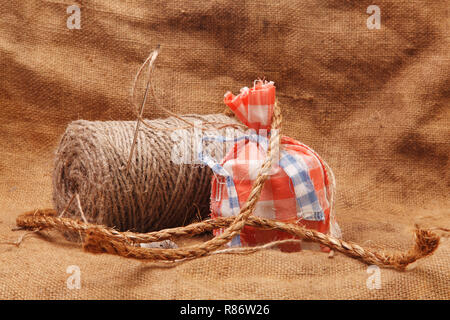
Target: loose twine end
(426, 242)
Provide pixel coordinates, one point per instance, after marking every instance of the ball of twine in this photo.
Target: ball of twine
(91, 175)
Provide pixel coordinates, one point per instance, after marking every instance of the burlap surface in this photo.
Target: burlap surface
(373, 103)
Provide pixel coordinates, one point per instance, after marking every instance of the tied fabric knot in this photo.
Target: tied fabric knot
(254, 107)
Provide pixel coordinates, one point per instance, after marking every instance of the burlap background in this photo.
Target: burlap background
(373, 103)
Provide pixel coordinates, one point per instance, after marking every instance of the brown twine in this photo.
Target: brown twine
(101, 239)
(155, 193)
(149, 88)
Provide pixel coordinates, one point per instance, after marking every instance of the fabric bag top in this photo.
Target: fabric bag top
(254, 107)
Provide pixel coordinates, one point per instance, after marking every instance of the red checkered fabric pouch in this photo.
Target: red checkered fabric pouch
(299, 189)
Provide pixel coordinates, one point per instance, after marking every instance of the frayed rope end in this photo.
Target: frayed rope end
(426, 242)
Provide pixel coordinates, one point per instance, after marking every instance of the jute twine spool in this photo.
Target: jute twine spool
(101, 239)
(154, 192)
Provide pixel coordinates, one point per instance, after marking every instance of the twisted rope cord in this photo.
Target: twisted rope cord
(121, 243)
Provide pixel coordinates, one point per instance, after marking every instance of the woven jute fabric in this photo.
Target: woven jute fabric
(372, 103)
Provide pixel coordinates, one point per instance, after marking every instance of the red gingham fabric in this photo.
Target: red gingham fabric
(278, 199)
(259, 100)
